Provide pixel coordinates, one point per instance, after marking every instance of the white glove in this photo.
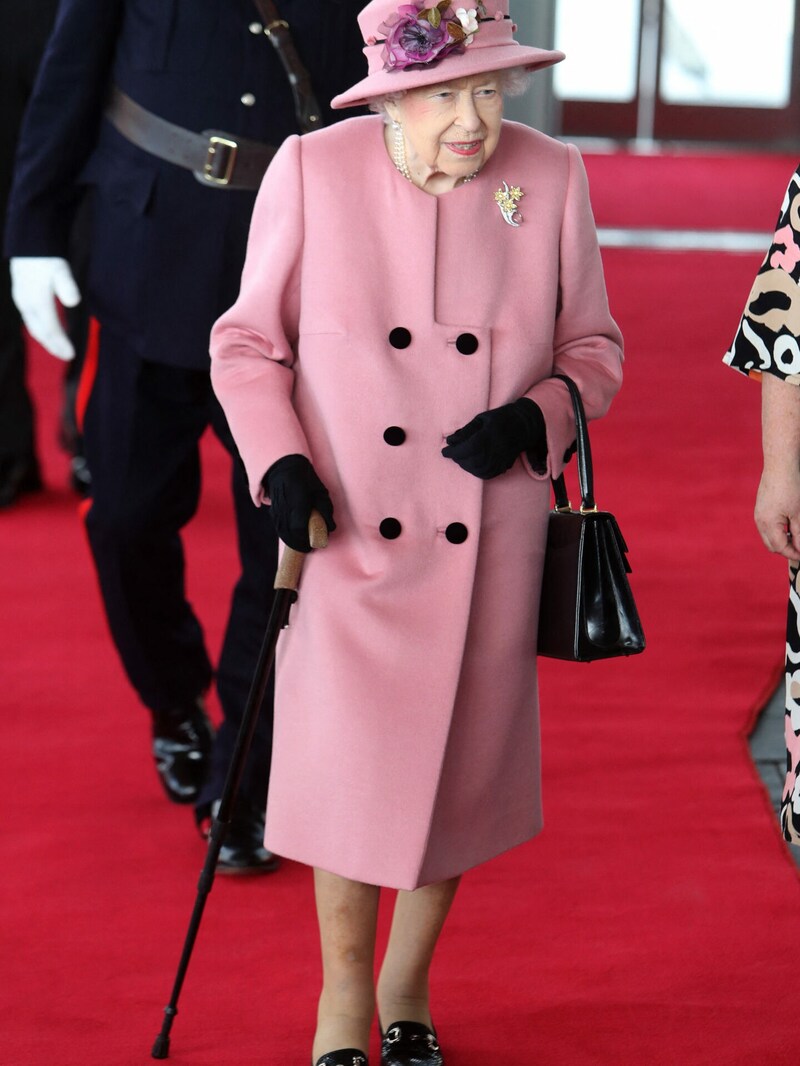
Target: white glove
(36, 283)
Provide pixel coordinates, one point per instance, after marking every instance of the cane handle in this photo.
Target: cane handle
(291, 564)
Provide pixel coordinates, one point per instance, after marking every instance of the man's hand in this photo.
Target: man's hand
(36, 283)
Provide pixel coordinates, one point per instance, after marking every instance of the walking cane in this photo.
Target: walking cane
(286, 581)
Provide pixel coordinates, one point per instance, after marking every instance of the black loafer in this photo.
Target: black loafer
(181, 747)
(410, 1044)
(350, 1056)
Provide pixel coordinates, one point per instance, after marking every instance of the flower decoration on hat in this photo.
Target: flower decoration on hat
(417, 35)
(468, 17)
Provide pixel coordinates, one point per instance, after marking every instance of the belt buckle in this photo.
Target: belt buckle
(214, 160)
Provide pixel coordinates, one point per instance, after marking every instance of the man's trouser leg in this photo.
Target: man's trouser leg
(250, 606)
(142, 427)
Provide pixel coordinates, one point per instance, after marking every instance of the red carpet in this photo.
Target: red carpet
(717, 191)
(654, 922)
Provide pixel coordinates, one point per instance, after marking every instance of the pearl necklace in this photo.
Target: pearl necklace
(399, 156)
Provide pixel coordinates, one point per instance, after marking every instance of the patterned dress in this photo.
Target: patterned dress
(768, 342)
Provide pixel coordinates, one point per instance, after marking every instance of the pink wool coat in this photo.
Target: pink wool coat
(406, 742)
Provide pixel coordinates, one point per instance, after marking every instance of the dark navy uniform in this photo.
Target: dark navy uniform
(166, 259)
(24, 29)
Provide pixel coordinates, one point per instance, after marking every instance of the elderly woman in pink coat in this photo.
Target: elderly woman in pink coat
(413, 281)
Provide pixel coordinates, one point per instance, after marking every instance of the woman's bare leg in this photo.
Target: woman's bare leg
(347, 912)
(403, 990)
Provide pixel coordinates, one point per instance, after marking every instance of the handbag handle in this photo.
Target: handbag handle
(585, 470)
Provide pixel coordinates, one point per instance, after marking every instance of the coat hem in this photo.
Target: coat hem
(399, 883)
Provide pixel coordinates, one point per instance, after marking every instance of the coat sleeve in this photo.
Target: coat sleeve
(767, 338)
(60, 126)
(587, 343)
(253, 344)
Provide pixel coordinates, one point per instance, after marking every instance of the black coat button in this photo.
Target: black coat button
(467, 343)
(400, 337)
(456, 532)
(394, 435)
(390, 528)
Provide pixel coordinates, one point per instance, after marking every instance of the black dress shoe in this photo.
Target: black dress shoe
(181, 747)
(18, 476)
(410, 1044)
(243, 850)
(350, 1056)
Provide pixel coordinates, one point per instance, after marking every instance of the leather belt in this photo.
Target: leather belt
(217, 159)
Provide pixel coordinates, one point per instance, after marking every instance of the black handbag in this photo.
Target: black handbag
(587, 608)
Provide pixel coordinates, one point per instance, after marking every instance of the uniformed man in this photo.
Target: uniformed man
(24, 30)
(168, 112)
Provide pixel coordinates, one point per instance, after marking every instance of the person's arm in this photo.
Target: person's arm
(253, 343)
(56, 139)
(587, 346)
(777, 511)
(587, 342)
(766, 348)
(60, 127)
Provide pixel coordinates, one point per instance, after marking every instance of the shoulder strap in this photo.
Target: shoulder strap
(309, 115)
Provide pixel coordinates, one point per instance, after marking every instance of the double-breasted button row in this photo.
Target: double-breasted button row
(456, 532)
(466, 343)
(400, 337)
(390, 528)
(394, 435)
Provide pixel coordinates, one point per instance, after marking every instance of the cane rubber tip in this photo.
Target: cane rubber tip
(160, 1048)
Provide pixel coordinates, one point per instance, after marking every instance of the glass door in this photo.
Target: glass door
(597, 85)
(679, 69)
(726, 71)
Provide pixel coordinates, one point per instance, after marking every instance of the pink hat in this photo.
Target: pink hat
(425, 43)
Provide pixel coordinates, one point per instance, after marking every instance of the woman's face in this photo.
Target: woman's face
(450, 129)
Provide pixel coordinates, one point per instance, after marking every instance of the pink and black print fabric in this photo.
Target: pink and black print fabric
(790, 801)
(768, 337)
(768, 342)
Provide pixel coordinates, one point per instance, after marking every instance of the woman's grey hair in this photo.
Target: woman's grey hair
(513, 82)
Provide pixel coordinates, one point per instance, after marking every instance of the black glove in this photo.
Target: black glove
(295, 491)
(490, 443)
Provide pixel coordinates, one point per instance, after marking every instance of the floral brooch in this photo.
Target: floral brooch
(417, 35)
(507, 200)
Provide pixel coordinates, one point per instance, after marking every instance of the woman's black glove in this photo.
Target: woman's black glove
(490, 443)
(295, 491)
